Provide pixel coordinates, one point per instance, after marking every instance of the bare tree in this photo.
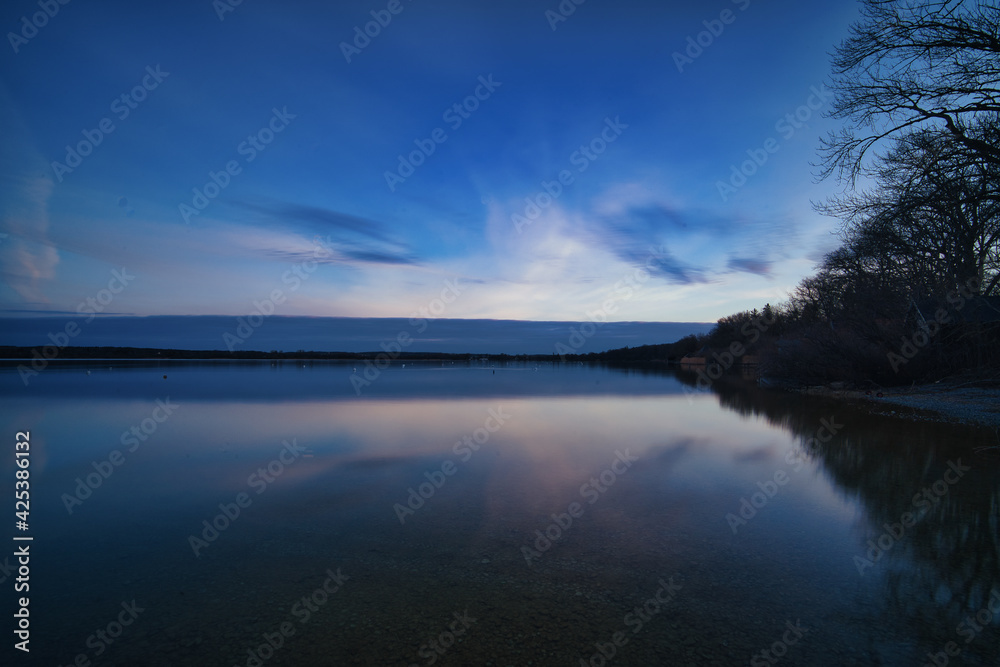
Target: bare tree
(931, 223)
(911, 64)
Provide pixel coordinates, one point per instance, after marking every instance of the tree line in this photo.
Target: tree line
(912, 291)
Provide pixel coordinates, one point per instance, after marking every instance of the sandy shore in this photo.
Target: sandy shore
(942, 401)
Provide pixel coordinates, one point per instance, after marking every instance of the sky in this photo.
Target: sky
(538, 161)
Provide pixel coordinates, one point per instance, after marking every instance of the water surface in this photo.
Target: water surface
(510, 515)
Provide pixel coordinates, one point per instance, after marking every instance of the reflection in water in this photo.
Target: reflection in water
(931, 513)
(414, 507)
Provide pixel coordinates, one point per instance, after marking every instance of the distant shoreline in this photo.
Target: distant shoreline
(954, 401)
(19, 354)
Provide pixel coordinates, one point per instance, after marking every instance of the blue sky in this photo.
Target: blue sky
(308, 138)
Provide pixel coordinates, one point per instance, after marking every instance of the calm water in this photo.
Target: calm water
(461, 515)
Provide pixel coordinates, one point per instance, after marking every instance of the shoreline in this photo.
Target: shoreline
(942, 401)
(961, 400)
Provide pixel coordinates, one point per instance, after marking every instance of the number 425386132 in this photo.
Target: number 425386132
(22, 453)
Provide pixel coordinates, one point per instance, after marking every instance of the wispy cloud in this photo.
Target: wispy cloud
(346, 238)
(317, 219)
(660, 262)
(749, 265)
(27, 258)
(630, 222)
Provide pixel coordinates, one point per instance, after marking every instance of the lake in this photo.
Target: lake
(523, 514)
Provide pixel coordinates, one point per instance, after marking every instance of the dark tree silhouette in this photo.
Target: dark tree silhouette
(931, 224)
(911, 64)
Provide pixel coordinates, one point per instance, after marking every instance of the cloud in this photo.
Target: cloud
(377, 257)
(345, 238)
(749, 265)
(661, 263)
(349, 334)
(650, 235)
(27, 258)
(335, 253)
(634, 223)
(317, 219)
